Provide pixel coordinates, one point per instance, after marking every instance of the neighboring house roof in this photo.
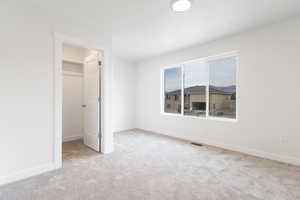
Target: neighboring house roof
(228, 90)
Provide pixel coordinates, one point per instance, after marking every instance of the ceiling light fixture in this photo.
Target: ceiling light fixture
(181, 5)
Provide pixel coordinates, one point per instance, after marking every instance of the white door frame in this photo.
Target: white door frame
(59, 40)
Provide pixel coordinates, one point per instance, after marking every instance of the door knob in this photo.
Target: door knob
(83, 106)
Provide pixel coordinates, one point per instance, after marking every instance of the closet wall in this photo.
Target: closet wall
(72, 92)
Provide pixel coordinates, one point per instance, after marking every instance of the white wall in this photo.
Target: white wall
(72, 53)
(27, 86)
(124, 95)
(268, 98)
(72, 118)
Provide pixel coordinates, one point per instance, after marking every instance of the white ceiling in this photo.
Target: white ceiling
(146, 28)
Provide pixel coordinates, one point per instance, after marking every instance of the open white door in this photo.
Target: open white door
(91, 88)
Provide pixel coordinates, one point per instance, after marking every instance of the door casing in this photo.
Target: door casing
(59, 40)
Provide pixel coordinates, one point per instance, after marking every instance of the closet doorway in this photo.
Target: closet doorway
(81, 108)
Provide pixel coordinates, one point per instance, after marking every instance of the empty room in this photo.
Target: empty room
(150, 100)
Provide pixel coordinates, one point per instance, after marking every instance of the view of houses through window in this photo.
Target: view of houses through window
(172, 87)
(206, 88)
(195, 82)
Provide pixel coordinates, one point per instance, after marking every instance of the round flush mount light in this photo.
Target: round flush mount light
(181, 5)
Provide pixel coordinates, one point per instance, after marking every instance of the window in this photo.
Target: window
(195, 86)
(172, 90)
(176, 98)
(206, 88)
(222, 88)
(199, 106)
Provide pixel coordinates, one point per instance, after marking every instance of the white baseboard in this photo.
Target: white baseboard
(71, 138)
(123, 130)
(23, 174)
(253, 152)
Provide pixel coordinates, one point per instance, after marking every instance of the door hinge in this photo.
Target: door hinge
(99, 63)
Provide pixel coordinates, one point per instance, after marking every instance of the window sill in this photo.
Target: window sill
(201, 118)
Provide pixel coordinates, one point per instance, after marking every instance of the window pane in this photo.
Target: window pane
(222, 88)
(195, 83)
(172, 87)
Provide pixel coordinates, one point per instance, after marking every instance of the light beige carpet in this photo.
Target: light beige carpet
(151, 167)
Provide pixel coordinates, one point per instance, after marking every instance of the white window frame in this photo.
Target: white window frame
(199, 60)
